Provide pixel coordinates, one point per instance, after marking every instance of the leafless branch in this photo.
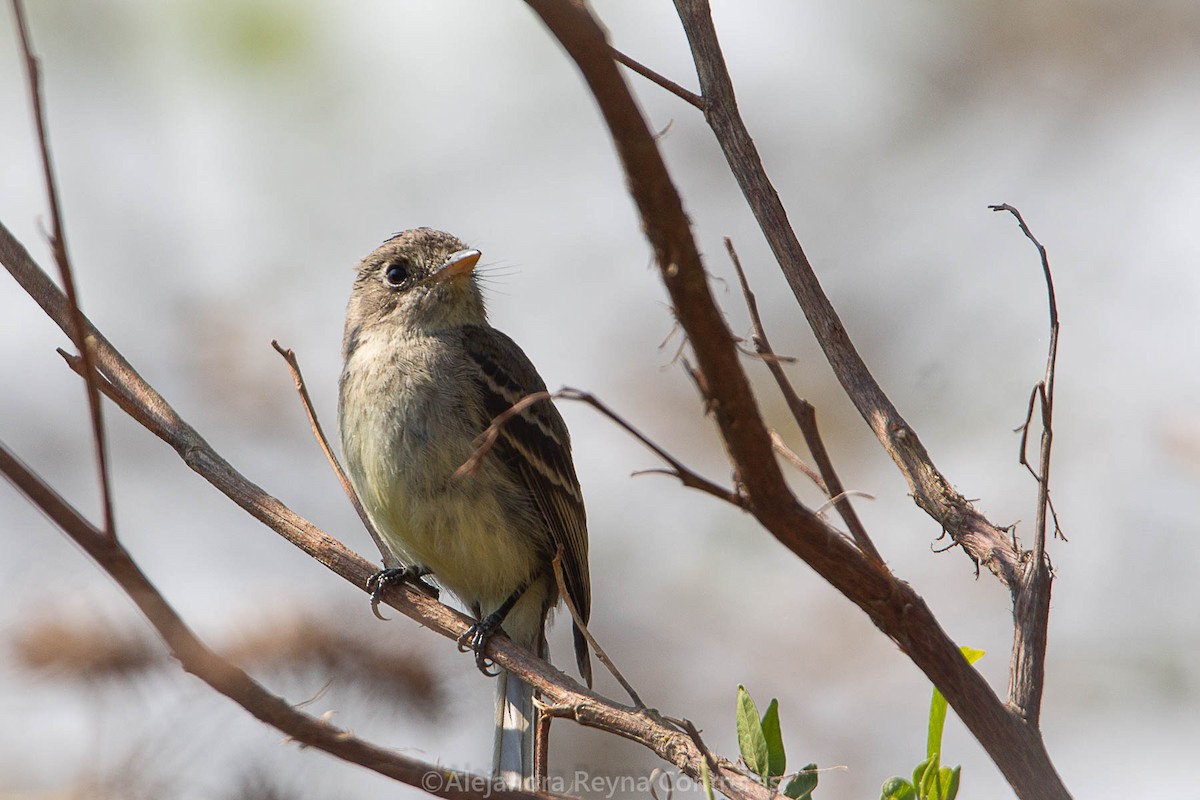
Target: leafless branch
(892, 604)
(796, 461)
(805, 416)
(389, 560)
(985, 542)
(1031, 608)
(58, 244)
(687, 477)
(654, 77)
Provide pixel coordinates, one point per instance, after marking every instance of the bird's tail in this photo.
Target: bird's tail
(516, 718)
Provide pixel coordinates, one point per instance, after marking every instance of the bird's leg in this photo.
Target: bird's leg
(394, 576)
(477, 636)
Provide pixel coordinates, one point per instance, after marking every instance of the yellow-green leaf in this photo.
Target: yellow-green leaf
(776, 757)
(751, 740)
(937, 708)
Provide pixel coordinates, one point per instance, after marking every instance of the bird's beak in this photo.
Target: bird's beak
(458, 265)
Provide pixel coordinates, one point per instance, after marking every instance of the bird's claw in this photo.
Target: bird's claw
(381, 581)
(476, 639)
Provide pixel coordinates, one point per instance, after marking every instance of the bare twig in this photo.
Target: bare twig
(985, 542)
(587, 634)
(796, 461)
(58, 244)
(837, 498)
(805, 416)
(714, 768)
(666, 83)
(487, 440)
(389, 560)
(223, 676)
(1031, 608)
(1037, 393)
(687, 477)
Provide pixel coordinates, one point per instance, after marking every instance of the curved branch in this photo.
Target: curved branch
(891, 604)
(986, 543)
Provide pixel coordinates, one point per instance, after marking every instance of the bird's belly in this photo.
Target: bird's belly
(465, 537)
(476, 532)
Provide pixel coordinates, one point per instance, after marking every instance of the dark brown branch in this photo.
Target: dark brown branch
(1031, 608)
(560, 691)
(289, 357)
(654, 77)
(985, 542)
(891, 604)
(228, 679)
(805, 416)
(58, 244)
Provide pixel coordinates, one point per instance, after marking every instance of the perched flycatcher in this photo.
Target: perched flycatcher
(424, 375)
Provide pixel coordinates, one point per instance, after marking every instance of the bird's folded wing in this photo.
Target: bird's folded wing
(535, 445)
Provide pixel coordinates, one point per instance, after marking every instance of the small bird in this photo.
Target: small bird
(424, 375)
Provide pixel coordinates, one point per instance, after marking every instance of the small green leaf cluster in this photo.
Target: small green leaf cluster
(761, 744)
(930, 780)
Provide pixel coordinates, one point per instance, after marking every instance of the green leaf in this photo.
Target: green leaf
(950, 782)
(937, 708)
(776, 758)
(751, 740)
(927, 788)
(897, 789)
(918, 775)
(802, 784)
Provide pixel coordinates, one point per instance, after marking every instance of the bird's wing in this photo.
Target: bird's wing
(536, 446)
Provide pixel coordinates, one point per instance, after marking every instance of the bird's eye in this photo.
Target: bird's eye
(396, 273)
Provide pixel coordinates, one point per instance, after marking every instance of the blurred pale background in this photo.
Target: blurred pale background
(225, 164)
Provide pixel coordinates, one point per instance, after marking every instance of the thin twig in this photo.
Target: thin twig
(685, 475)
(1023, 447)
(789, 455)
(650, 75)
(58, 244)
(486, 440)
(714, 769)
(1037, 393)
(389, 560)
(587, 634)
(833, 501)
(805, 416)
(1031, 609)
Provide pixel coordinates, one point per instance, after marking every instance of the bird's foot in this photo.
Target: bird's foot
(476, 639)
(381, 581)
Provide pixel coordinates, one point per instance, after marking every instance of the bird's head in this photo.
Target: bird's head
(422, 279)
